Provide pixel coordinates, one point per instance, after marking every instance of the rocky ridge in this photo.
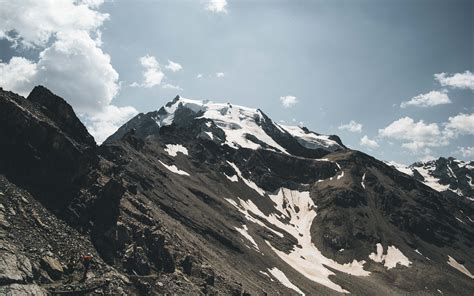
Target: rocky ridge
(200, 198)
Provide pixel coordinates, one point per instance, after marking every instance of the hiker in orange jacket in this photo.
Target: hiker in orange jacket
(86, 261)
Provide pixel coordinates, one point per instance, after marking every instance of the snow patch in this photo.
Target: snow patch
(247, 208)
(244, 232)
(249, 183)
(233, 178)
(400, 167)
(266, 274)
(211, 136)
(430, 180)
(459, 266)
(174, 169)
(311, 140)
(362, 182)
(281, 277)
(295, 212)
(393, 257)
(173, 149)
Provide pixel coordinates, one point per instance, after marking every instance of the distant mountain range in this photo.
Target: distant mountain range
(448, 175)
(201, 198)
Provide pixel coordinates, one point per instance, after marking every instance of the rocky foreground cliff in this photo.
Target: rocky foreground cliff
(199, 198)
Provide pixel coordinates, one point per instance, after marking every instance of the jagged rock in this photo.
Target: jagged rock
(163, 258)
(14, 267)
(52, 266)
(136, 261)
(26, 290)
(122, 235)
(225, 210)
(187, 264)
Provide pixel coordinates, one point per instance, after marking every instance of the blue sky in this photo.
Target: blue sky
(332, 62)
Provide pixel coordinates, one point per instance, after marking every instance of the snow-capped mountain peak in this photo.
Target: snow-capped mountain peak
(443, 175)
(235, 126)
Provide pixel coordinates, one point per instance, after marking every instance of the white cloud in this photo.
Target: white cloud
(18, 75)
(433, 98)
(152, 74)
(73, 67)
(352, 126)
(366, 142)
(461, 124)
(199, 76)
(427, 158)
(459, 80)
(416, 135)
(217, 6)
(288, 101)
(220, 74)
(76, 69)
(419, 136)
(103, 124)
(467, 152)
(171, 86)
(34, 22)
(71, 64)
(173, 66)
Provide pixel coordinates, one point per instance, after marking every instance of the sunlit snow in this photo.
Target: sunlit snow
(299, 209)
(281, 277)
(174, 169)
(390, 260)
(311, 140)
(173, 149)
(459, 266)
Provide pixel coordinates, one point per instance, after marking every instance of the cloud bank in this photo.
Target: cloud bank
(71, 62)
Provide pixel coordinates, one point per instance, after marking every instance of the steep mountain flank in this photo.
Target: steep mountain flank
(216, 199)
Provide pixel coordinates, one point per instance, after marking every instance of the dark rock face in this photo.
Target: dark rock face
(61, 113)
(455, 174)
(208, 218)
(37, 151)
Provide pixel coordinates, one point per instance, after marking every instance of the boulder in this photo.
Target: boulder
(17, 289)
(136, 260)
(52, 266)
(14, 267)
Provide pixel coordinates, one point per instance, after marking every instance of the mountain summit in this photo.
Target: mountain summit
(234, 126)
(217, 199)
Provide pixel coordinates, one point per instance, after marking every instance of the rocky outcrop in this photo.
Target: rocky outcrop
(212, 219)
(14, 267)
(47, 146)
(52, 266)
(17, 289)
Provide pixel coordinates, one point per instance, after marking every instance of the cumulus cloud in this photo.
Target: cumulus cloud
(218, 6)
(416, 135)
(103, 124)
(34, 22)
(220, 74)
(419, 136)
(171, 86)
(199, 76)
(152, 74)
(367, 142)
(76, 69)
(18, 75)
(459, 80)
(73, 67)
(461, 124)
(352, 126)
(288, 101)
(467, 152)
(71, 62)
(433, 98)
(173, 66)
